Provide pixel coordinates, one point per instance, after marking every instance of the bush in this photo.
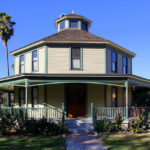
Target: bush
(17, 119)
(118, 122)
(137, 124)
(105, 126)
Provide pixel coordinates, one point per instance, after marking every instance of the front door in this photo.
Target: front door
(76, 96)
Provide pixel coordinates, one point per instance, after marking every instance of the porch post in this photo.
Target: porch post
(126, 86)
(26, 92)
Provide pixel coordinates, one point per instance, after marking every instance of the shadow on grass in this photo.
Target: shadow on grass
(129, 142)
(34, 143)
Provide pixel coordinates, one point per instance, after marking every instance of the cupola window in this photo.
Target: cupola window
(62, 25)
(73, 24)
(84, 26)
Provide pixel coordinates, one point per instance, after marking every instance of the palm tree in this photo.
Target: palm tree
(6, 31)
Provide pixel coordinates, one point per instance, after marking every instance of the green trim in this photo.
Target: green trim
(46, 62)
(14, 57)
(26, 92)
(105, 95)
(126, 85)
(81, 58)
(105, 50)
(70, 58)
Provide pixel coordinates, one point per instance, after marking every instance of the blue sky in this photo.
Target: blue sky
(125, 22)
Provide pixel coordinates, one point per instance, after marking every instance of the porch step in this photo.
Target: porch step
(79, 125)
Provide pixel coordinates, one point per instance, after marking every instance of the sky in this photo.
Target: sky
(125, 22)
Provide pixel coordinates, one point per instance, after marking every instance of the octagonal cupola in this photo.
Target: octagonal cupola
(72, 22)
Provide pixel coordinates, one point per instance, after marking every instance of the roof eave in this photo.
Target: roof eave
(73, 42)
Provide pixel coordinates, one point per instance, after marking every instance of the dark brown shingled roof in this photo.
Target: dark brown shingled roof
(74, 35)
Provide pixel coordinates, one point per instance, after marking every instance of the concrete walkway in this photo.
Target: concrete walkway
(83, 141)
(81, 137)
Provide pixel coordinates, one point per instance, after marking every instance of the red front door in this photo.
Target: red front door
(76, 100)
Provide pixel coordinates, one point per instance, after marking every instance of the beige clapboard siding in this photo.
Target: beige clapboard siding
(55, 95)
(95, 95)
(93, 61)
(28, 63)
(16, 66)
(41, 60)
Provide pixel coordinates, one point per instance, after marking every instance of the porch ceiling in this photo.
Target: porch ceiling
(30, 80)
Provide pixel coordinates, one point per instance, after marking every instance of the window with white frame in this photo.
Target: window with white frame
(75, 58)
(22, 64)
(34, 97)
(125, 65)
(21, 96)
(34, 61)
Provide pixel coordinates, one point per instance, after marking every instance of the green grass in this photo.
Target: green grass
(126, 141)
(32, 143)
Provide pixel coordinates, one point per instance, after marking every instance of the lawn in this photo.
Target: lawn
(32, 143)
(127, 141)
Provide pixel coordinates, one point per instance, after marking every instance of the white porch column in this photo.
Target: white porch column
(126, 86)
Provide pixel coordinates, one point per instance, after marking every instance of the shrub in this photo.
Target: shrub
(118, 122)
(137, 124)
(105, 126)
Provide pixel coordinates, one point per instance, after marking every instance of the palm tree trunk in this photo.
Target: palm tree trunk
(7, 59)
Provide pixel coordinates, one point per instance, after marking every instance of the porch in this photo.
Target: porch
(59, 96)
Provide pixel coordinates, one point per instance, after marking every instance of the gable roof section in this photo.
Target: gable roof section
(73, 37)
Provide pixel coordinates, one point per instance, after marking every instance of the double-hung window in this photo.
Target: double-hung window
(62, 25)
(73, 24)
(75, 58)
(34, 61)
(114, 61)
(114, 97)
(125, 65)
(21, 96)
(34, 97)
(22, 64)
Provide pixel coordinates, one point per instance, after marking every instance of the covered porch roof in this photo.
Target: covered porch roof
(38, 79)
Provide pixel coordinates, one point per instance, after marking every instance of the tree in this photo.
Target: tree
(6, 31)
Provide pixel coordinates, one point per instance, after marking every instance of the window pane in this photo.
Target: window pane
(84, 26)
(75, 52)
(22, 97)
(34, 61)
(76, 63)
(125, 60)
(35, 66)
(62, 25)
(114, 56)
(22, 58)
(113, 66)
(34, 54)
(22, 68)
(73, 24)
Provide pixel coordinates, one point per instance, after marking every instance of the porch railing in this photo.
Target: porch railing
(110, 112)
(49, 113)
